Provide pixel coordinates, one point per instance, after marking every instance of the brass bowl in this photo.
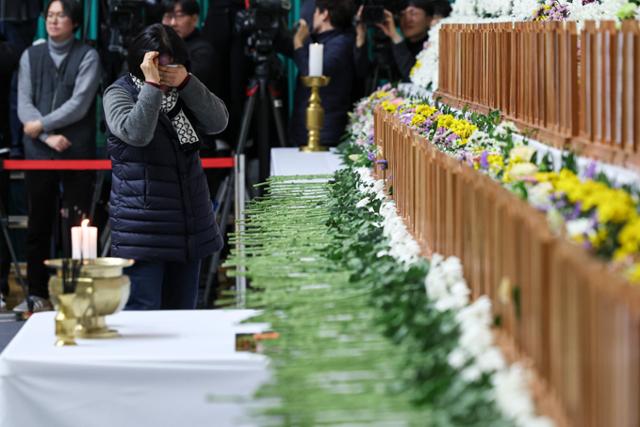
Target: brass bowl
(105, 288)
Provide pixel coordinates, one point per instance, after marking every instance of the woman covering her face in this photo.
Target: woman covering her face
(160, 210)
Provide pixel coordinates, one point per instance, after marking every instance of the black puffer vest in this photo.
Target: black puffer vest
(160, 208)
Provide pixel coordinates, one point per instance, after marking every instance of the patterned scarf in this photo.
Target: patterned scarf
(186, 133)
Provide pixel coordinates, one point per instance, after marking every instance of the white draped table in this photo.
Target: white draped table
(169, 368)
(292, 161)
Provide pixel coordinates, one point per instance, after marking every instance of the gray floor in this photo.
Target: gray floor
(8, 328)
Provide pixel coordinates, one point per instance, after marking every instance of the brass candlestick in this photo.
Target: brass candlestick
(315, 112)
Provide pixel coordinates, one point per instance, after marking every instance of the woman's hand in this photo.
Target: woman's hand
(388, 27)
(301, 35)
(149, 67)
(33, 128)
(172, 76)
(58, 142)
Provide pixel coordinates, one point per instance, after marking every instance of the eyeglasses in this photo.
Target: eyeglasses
(60, 16)
(170, 16)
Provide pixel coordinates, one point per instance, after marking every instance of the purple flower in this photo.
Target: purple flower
(382, 163)
(371, 155)
(558, 12)
(576, 211)
(484, 160)
(590, 172)
(428, 123)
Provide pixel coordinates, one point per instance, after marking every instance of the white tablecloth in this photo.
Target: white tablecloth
(291, 161)
(169, 368)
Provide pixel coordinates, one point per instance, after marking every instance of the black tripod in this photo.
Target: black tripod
(262, 91)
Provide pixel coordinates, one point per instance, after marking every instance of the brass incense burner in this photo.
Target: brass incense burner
(101, 289)
(315, 112)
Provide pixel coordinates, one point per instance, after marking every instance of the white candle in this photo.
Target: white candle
(315, 59)
(76, 243)
(84, 241)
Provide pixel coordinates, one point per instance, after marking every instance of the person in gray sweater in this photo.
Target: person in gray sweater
(57, 84)
(160, 210)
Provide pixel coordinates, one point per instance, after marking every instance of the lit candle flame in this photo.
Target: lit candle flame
(84, 223)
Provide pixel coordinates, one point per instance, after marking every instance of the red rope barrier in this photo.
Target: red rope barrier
(23, 165)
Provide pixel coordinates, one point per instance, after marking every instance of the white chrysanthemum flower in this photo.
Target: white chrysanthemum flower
(494, 8)
(491, 360)
(511, 393)
(605, 10)
(471, 374)
(457, 358)
(539, 195)
(362, 203)
(579, 227)
(524, 9)
(464, 8)
(477, 313)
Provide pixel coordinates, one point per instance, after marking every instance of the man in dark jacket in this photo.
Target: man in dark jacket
(183, 17)
(331, 27)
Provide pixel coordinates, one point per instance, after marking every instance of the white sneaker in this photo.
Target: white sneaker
(39, 304)
(3, 304)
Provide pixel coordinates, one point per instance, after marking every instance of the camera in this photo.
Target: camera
(125, 19)
(373, 10)
(260, 23)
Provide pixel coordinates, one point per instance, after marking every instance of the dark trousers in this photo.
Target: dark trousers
(163, 285)
(43, 188)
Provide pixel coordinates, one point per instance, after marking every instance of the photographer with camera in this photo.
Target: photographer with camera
(416, 18)
(57, 85)
(332, 28)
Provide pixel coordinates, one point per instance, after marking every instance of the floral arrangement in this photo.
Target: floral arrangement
(425, 72)
(588, 208)
(476, 363)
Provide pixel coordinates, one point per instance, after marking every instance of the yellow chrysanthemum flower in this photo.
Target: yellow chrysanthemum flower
(633, 274)
(389, 106)
(418, 119)
(417, 66)
(425, 109)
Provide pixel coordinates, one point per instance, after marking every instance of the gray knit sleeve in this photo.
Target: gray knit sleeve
(132, 122)
(27, 111)
(208, 109)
